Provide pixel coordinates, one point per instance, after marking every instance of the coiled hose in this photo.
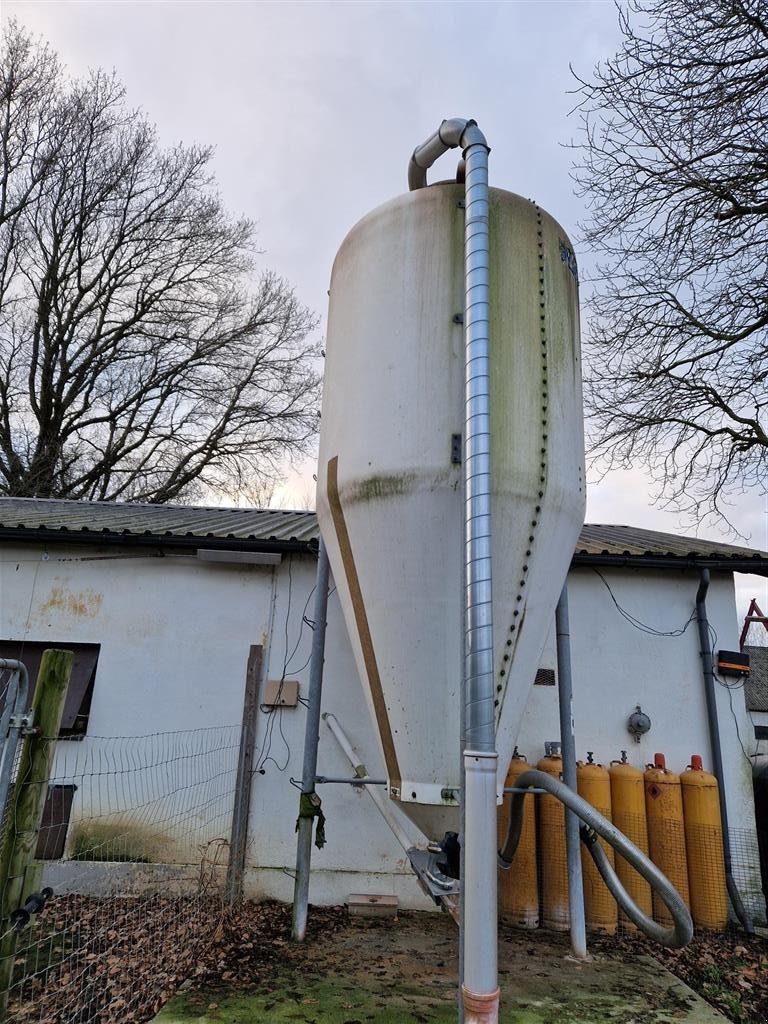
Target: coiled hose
(596, 825)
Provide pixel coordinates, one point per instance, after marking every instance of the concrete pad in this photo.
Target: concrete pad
(404, 972)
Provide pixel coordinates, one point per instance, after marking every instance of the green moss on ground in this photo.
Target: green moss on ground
(339, 1002)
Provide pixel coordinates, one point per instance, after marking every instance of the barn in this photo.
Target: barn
(178, 616)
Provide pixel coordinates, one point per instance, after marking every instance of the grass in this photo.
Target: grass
(117, 842)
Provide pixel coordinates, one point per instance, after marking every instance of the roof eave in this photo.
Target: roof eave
(756, 566)
(165, 541)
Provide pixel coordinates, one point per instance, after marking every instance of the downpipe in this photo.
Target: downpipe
(480, 991)
(713, 723)
(596, 825)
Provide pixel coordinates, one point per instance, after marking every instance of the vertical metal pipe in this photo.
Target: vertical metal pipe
(479, 939)
(480, 961)
(311, 740)
(568, 751)
(708, 671)
(462, 846)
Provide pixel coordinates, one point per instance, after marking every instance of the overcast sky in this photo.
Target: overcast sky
(314, 109)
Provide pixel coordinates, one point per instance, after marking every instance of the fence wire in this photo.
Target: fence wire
(134, 845)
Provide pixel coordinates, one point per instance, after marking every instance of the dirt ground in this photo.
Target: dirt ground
(358, 972)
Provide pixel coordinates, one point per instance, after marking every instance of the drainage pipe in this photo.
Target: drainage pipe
(568, 750)
(305, 823)
(682, 931)
(708, 671)
(480, 991)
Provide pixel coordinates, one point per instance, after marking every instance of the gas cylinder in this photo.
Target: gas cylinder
(704, 846)
(666, 836)
(519, 886)
(555, 911)
(628, 815)
(594, 786)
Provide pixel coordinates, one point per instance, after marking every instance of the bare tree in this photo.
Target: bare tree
(675, 171)
(140, 356)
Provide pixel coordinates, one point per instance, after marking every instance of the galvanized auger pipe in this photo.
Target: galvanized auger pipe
(596, 825)
(479, 939)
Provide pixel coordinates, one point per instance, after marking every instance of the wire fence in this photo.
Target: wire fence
(134, 846)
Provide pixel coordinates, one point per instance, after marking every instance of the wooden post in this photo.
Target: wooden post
(25, 806)
(242, 804)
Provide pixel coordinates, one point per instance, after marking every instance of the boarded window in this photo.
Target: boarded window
(77, 705)
(55, 821)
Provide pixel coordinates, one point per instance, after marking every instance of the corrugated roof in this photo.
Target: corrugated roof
(52, 519)
(609, 539)
(173, 523)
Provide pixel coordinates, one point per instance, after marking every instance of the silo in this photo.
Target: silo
(390, 485)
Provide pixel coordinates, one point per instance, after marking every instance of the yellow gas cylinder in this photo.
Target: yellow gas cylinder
(600, 909)
(555, 911)
(666, 837)
(704, 846)
(628, 815)
(519, 887)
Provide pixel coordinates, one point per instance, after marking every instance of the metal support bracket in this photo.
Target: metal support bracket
(24, 721)
(432, 880)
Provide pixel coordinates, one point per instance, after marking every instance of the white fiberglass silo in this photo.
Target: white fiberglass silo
(390, 483)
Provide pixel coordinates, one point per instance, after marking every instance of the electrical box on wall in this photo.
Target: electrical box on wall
(281, 693)
(732, 663)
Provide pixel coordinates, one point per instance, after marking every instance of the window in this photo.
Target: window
(77, 705)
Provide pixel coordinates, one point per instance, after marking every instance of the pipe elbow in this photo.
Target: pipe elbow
(701, 593)
(472, 136)
(453, 133)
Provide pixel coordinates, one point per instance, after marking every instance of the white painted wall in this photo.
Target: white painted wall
(617, 666)
(175, 635)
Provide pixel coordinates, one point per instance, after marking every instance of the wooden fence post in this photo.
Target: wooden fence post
(242, 803)
(25, 806)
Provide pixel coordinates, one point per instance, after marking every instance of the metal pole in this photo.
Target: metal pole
(568, 751)
(323, 779)
(11, 723)
(462, 826)
(311, 740)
